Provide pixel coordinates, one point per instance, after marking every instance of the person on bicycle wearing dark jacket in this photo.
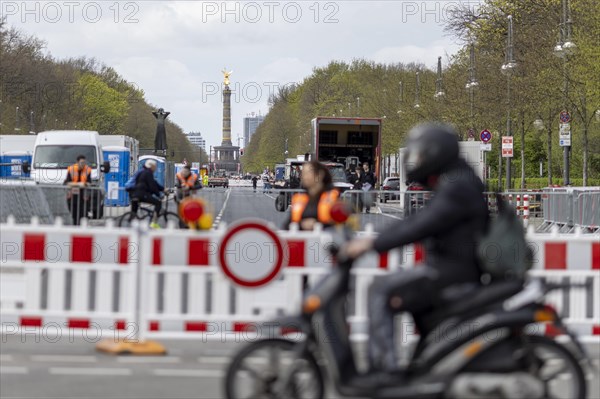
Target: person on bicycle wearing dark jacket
(147, 189)
(448, 227)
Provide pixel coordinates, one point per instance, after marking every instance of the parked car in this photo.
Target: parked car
(391, 184)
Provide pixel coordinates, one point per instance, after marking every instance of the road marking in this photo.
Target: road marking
(89, 371)
(62, 358)
(6, 358)
(149, 359)
(13, 370)
(390, 216)
(188, 373)
(215, 359)
(220, 215)
(270, 196)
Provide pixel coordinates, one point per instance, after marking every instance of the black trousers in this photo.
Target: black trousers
(78, 207)
(148, 199)
(413, 291)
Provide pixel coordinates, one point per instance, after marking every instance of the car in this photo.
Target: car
(391, 184)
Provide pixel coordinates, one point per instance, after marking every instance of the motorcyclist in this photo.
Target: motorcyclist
(449, 227)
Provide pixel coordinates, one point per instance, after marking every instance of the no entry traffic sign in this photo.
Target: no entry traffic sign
(251, 254)
(565, 117)
(485, 135)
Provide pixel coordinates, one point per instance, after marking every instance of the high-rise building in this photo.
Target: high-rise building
(196, 139)
(251, 123)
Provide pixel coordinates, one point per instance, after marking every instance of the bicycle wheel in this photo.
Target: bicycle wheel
(557, 368)
(169, 217)
(127, 219)
(255, 370)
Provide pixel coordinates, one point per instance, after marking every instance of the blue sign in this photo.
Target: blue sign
(485, 135)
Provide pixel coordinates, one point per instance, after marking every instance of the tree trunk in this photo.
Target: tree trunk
(499, 162)
(585, 143)
(550, 148)
(522, 151)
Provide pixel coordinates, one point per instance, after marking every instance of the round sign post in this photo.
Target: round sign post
(251, 254)
(485, 135)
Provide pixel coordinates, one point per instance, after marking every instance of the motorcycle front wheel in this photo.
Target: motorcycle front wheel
(258, 370)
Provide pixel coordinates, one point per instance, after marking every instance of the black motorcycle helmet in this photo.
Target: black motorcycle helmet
(430, 149)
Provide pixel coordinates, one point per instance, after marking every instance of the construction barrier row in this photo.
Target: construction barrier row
(180, 284)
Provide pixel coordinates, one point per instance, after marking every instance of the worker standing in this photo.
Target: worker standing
(78, 176)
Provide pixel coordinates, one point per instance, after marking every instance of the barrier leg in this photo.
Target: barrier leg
(138, 345)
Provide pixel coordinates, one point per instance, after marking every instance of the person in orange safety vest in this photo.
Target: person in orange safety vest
(78, 176)
(187, 182)
(314, 206)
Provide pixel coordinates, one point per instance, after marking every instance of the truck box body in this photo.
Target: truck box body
(335, 139)
(17, 142)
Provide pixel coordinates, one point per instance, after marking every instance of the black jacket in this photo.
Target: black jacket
(146, 184)
(368, 177)
(449, 226)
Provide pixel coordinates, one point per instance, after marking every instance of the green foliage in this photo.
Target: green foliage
(103, 109)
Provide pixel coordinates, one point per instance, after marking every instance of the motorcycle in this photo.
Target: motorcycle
(486, 351)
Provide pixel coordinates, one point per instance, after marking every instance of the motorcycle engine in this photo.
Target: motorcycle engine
(518, 385)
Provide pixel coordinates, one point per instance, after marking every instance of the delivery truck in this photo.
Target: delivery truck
(347, 141)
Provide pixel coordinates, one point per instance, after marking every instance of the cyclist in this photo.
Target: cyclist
(187, 182)
(449, 227)
(147, 190)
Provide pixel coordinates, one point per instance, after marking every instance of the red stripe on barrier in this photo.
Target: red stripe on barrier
(198, 252)
(154, 326)
(81, 249)
(596, 256)
(552, 331)
(383, 260)
(123, 250)
(555, 255)
(33, 246)
(196, 326)
(31, 321)
(120, 325)
(596, 330)
(296, 250)
(290, 330)
(78, 323)
(156, 251)
(419, 253)
(243, 327)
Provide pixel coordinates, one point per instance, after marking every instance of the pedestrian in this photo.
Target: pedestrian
(254, 182)
(265, 180)
(368, 184)
(78, 177)
(356, 181)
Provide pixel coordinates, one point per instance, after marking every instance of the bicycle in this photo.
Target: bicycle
(146, 213)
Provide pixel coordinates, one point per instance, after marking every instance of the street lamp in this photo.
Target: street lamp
(357, 106)
(472, 84)
(17, 128)
(439, 83)
(417, 91)
(508, 69)
(400, 96)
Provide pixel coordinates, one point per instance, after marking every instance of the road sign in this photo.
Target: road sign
(564, 134)
(251, 254)
(486, 146)
(471, 135)
(507, 146)
(565, 117)
(485, 135)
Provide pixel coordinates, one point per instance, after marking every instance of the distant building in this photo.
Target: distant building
(251, 123)
(196, 139)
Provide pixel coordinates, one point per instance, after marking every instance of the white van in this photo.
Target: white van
(56, 150)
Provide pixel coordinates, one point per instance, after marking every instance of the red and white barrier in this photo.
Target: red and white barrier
(90, 279)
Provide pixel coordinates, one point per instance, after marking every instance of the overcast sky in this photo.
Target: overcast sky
(175, 50)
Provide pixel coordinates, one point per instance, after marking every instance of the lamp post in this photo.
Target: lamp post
(417, 91)
(439, 83)
(357, 106)
(508, 69)
(472, 84)
(17, 122)
(400, 97)
(31, 123)
(563, 49)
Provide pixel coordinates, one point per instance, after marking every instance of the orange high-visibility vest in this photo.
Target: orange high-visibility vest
(189, 182)
(300, 200)
(76, 176)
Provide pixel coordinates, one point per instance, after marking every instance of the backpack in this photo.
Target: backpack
(131, 183)
(503, 252)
